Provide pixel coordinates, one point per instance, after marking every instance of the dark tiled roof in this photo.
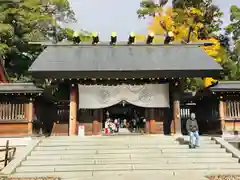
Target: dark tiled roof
(90, 61)
(19, 88)
(226, 86)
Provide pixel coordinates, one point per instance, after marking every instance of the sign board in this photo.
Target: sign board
(81, 130)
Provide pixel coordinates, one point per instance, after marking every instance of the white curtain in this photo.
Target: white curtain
(99, 96)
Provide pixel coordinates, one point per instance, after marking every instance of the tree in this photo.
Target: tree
(211, 14)
(30, 20)
(183, 18)
(233, 29)
(234, 26)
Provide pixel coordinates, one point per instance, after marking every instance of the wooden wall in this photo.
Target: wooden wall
(9, 128)
(91, 119)
(232, 126)
(232, 114)
(208, 116)
(85, 117)
(13, 116)
(161, 120)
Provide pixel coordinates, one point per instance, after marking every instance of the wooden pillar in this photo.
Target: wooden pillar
(101, 111)
(147, 130)
(221, 114)
(73, 110)
(30, 115)
(172, 128)
(152, 121)
(177, 91)
(176, 116)
(26, 111)
(96, 122)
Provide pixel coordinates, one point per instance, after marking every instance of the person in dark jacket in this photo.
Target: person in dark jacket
(192, 128)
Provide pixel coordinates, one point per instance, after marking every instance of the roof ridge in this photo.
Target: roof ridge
(123, 43)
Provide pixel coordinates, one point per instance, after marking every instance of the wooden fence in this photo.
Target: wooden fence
(12, 111)
(232, 116)
(232, 110)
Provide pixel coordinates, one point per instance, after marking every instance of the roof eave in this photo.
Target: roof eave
(126, 74)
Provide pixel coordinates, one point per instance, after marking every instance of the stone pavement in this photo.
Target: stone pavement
(19, 143)
(126, 157)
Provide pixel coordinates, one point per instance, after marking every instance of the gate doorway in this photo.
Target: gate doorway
(124, 117)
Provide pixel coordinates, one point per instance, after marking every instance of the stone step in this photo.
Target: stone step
(119, 147)
(198, 150)
(55, 174)
(112, 144)
(186, 166)
(69, 168)
(132, 156)
(72, 143)
(127, 167)
(129, 161)
(151, 136)
(196, 173)
(104, 174)
(127, 151)
(168, 160)
(111, 138)
(123, 139)
(181, 155)
(125, 143)
(131, 151)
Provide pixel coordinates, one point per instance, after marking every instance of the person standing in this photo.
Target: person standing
(193, 131)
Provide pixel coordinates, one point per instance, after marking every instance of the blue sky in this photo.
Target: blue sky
(106, 16)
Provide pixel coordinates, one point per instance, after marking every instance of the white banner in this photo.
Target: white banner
(99, 96)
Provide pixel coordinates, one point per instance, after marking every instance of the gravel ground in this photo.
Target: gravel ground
(226, 177)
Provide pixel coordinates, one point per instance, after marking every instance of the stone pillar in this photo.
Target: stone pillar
(152, 121)
(30, 116)
(221, 114)
(96, 122)
(73, 110)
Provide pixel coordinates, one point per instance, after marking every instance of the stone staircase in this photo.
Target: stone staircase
(76, 158)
